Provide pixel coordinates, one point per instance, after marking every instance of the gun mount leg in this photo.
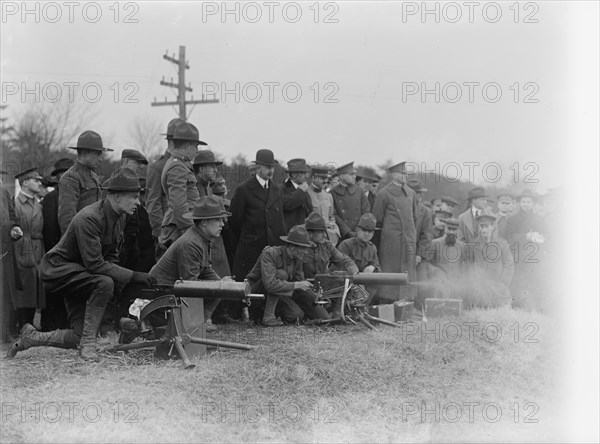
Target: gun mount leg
(187, 364)
(215, 343)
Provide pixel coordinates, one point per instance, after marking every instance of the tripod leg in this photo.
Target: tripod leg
(187, 364)
(195, 340)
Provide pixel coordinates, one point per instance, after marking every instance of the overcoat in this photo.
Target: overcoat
(322, 203)
(256, 221)
(51, 230)
(29, 250)
(395, 210)
(179, 182)
(350, 203)
(156, 199)
(297, 204)
(79, 187)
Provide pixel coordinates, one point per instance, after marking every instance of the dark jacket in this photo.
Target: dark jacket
(51, 230)
(79, 187)
(297, 204)
(350, 203)
(156, 199)
(272, 265)
(362, 253)
(179, 182)
(318, 259)
(91, 244)
(256, 221)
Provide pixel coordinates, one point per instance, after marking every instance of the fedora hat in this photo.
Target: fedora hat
(314, 221)
(124, 179)
(527, 193)
(367, 222)
(476, 193)
(265, 157)
(90, 140)
(62, 165)
(366, 174)
(171, 127)
(206, 157)
(298, 236)
(135, 155)
(30, 173)
(505, 193)
(207, 207)
(187, 132)
(297, 166)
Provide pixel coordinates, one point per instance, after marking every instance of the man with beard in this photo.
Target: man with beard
(80, 186)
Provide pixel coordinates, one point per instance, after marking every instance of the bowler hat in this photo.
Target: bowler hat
(449, 201)
(135, 155)
(206, 157)
(297, 166)
(367, 222)
(527, 193)
(90, 140)
(187, 132)
(476, 193)
(298, 236)
(30, 173)
(451, 222)
(415, 184)
(124, 179)
(314, 221)
(398, 168)
(346, 169)
(61, 165)
(171, 127)
(207, 207)
(265, 157)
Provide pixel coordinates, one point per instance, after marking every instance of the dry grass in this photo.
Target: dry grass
(303, 384)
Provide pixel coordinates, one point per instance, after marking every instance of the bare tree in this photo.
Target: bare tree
(145, 136)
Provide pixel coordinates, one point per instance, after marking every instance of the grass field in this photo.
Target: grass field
(488, 375)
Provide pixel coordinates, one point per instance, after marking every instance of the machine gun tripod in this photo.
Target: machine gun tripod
(184, 309)
(354, 298)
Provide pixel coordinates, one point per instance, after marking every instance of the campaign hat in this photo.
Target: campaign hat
(90, 140)
(206, 157)
(207, 207)
(298, 236)
(314, 221)
(367, 222)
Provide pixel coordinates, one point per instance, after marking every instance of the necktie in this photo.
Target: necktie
(266, 186)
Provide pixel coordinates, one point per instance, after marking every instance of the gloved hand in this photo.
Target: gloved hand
(143, 278)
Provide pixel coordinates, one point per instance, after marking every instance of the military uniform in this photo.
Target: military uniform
(362, 253)
(322, 203)
(275, 273)
(318, 259)
(179, 182)
(78, 188)
(156, 198)
(350, 203)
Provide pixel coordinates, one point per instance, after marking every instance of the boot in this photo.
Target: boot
(91, 322)
(30, 337)
(269, 319)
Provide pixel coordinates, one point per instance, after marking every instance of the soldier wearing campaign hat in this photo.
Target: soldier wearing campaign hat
(80, 186)
(179, 182)
(396, 210)
(82, 268)
(476, 203)
(29, 248)
(349, 201)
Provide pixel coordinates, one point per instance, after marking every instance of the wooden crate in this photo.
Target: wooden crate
(396, 312)
(437, 307)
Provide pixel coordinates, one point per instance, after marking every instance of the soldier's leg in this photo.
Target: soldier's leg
(305, 300)
(289, 311)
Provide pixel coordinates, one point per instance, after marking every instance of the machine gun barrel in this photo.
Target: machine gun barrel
(214, 290)
(366, 278)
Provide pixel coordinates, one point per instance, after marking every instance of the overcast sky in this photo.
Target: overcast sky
(371, 59)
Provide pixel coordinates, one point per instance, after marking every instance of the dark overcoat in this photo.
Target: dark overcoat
(79, 187)
(297, 204)
(256, 221)
(350, 203)
(51, 230)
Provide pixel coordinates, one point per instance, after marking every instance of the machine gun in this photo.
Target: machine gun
(354, 297)
(183, 306)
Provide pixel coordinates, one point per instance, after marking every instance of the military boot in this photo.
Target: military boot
(91, 322)
(30, 337)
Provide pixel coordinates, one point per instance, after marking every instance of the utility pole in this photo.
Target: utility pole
(180, 86)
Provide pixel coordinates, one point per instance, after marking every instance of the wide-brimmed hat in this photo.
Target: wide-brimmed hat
(90, 140)
(297, 166)
(476, 193)
(187, 132)
(527, 193)
(367, 222)
(124, 179)
(171, 127)
(207, 207)
(265, 157)
(29, 173)
(346, 169)
(61, 165)
(314, 221)
(134, 155)
(206, 157)
(298, 236)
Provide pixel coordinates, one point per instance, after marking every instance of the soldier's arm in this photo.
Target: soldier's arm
(373, 258)
(68, 196)
(153, 200)
(341, 260)
(89, 237)
(177, 193)
(189, 260)
(269, 276)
